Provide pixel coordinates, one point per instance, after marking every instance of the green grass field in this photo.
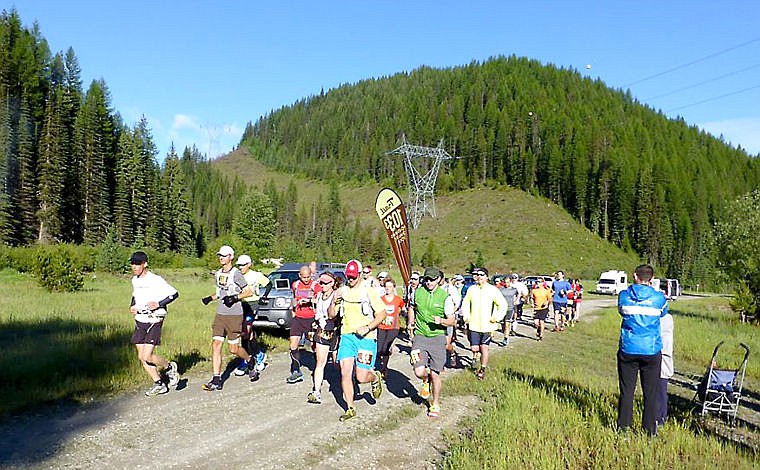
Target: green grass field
(554, 404)
(75, 346)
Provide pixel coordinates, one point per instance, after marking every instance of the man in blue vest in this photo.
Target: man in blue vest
(641, 307)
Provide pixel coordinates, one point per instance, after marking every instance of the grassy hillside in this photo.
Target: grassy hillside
(513, 230)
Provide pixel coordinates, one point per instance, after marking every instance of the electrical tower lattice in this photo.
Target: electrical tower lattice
(422, 175)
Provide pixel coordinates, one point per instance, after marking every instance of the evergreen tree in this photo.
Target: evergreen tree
(177, 221)
(52, 172)
(93, 143)
(27, 228)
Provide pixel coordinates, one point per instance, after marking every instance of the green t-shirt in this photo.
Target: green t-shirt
(429, 305)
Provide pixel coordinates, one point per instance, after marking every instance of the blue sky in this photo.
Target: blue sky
(200, 70)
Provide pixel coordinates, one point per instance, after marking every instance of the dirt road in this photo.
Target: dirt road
(267, 424)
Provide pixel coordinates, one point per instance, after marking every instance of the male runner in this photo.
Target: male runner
(432, 313)
(255, 280)
(362, 312)
(150, 296)
(483, 308)
(231, 288)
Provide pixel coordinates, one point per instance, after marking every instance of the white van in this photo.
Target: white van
(612, 282)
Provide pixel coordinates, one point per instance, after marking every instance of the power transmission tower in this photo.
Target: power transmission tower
(421, 165)
(213, 132)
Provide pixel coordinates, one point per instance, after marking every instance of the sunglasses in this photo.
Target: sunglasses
(352, 278)
(478, 274)
(414, 279)
(326, 283)
(427, 279)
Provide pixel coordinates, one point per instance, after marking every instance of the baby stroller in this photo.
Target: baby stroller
(721, 389)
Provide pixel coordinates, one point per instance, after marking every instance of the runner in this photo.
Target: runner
(363, 311)
(483, 308)
(326, 337)
(432, 313)
(574, 299)
(304, 290)
(250, 304)
(455, 292)
(509, 325)
(150, 296)
(368, 280)
(560, 287)
(522, 296)
(381, 277)
(231, 288)
(542, 297)
(387, 331)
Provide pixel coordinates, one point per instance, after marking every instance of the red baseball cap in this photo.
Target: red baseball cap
(353, 269)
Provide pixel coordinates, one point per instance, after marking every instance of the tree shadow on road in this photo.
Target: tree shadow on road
(51, 366)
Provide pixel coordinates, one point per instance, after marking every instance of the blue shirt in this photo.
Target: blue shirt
(561, 286)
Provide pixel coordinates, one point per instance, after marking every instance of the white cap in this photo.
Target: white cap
(382, 274)
(243, 259)
(226, 250)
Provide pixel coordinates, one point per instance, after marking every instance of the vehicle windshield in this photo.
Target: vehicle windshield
(291, 276)
(606, 281)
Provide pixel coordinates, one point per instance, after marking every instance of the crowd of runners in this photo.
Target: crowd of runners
(353, 323)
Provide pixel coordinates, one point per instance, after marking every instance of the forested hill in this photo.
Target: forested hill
(623, 170)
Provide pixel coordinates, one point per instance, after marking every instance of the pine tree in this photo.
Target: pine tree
(93, 144)
(176, 209)
(52, 172)
(27, 227)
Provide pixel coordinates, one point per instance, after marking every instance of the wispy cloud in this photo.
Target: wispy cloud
(741, 131)
(183, 121)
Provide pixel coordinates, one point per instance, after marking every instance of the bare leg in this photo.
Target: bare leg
(347, 380)
(150, 361)
(319, 369)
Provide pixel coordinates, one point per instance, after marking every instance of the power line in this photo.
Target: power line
(702, 59)
(735, 72)
(714, 98)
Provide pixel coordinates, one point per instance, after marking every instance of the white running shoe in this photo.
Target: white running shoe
(172, 372)
(158, 388)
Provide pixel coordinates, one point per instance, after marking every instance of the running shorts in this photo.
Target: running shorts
(301, 326)
(541, 313)
(429, 352)
(361, 350)
(477, 338)
(147, 333)
(560, 307)
(229, 326)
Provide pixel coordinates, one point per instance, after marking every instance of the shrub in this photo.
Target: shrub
(57, 271)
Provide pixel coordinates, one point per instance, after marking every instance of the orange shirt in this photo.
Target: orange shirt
(542, 297)
(392, 310)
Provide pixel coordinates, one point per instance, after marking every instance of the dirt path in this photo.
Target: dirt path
(267, 424)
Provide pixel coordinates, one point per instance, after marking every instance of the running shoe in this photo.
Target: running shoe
(253, 374)
(242, 369)
(295, 377)
(434, 411)
(425, 390)
(314, 397)
(173, 373)
(158, 388)
(481, 374)
(212, 385)
(377, 385)
(350, 413)
(261, 361)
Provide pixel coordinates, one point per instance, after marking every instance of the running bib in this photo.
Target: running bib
(414, 356)
(364, 356)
